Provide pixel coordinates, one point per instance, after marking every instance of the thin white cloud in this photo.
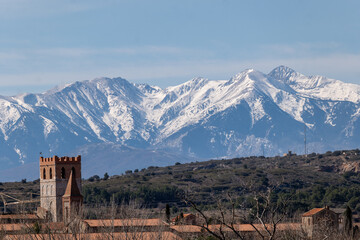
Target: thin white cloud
(62, 52)
(342, 66)
(157, 50)
(299, 48)
(5, 56)
(38, 8)
(86, 52)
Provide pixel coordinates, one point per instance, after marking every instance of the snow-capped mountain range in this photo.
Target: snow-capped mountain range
(251, 114)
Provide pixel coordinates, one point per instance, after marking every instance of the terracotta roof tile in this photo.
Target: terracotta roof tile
(124, 222)
(18, 216)
(237, 227)
(128, 235)
(25, 226)
(185, 215)
(312, 212)
(186, 228)
(11, 227)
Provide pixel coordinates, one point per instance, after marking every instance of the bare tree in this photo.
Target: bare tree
(268, 213)
(264, 216)
(219, 223)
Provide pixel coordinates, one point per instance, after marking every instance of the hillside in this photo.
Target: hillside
(330, 179)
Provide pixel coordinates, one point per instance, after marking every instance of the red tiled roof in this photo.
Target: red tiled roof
(186, 228)
(312, 212)
(96, 236)
(25, 226)
(11, 227)
(185, 215)
(237, 227)
(18, 216)
(124, 222)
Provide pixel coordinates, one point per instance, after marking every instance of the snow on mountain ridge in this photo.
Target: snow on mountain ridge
(186, 103)
(284, 73)
(250, 108)
(317, 86)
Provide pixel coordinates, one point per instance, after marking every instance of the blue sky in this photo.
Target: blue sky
(44, 43)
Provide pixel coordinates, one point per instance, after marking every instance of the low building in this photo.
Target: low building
(18, 218)
(320, 219)
(124, 225)
(186, 218)
(248, 230)
(30, 228)
(97, 236)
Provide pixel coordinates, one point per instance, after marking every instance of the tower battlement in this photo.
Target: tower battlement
(56, 159)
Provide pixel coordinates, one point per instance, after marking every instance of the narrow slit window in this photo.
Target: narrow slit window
(73, 170)
(63, 173)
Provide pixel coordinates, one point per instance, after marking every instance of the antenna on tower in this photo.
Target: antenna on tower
(305, 150)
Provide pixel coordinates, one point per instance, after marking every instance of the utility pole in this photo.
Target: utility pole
(305, 150)
(263, 150)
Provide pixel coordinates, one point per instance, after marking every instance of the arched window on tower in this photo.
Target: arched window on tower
(44, 173)
(50, 174)
(63, 173)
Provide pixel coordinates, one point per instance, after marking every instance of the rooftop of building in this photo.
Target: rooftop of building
(121, 235)
(338, 210)
(18, 216)
(184, 216)
(237, 227)
(312, 212)
(124, 222)
(11, 227)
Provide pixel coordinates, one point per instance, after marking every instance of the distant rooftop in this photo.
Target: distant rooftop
(312, 212)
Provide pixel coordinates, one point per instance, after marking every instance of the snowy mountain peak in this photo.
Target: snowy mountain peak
(285, 74)
(248, 76)
(283, 69)
(191, 85)
(145, 88)
(246, 115)
(316, 86)
(198, 81)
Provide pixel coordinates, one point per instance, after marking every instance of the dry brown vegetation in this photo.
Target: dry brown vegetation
(305, 182)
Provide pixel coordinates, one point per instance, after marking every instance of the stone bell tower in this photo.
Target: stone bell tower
(55, 173)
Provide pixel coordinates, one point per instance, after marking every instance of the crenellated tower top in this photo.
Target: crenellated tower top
(56, 159)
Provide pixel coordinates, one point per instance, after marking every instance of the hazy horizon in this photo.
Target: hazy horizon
(164, 43)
